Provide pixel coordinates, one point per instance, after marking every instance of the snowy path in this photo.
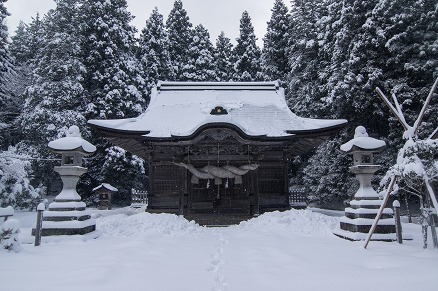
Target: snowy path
(294, 250)
(217, 264)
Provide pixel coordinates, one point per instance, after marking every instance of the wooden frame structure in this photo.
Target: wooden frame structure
(410, 134)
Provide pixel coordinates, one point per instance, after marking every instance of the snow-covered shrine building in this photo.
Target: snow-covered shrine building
(218, 148)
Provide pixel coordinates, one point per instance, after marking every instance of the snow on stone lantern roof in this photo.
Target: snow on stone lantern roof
(72, 142)
(362, 141)
(106, 186)
(181, 109)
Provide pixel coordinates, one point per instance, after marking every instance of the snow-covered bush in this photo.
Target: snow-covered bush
(15, 187)
(415, 164)
(9, 231)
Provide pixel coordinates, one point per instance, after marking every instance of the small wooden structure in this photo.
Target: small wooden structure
(104, 192)
(218, 149)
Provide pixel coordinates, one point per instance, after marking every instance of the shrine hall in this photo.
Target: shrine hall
(218, 152)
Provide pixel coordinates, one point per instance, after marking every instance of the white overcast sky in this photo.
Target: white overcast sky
(215, 15)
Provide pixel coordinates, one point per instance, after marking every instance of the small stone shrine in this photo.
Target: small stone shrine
(363, 209)
(67, 214)
(104, 192)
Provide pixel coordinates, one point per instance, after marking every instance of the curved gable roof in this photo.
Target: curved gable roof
(181, 108)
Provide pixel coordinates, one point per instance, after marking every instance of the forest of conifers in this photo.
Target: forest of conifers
(84, 60)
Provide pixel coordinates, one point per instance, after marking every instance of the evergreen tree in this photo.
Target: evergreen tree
(357, 56)
(305, 39)
(325, 175)
(154, 51)
(223, 54)
(15, 187)
(247, 65)
(7, 104)
(200, 61)
(179, 28)
(19, 46)
(409, 32)
(385, 43)
(55, 98)
(275, 44)
(350, 77)
(113, 80)
(26, 45)
(5, 57)
(20, 52)
(127, 172)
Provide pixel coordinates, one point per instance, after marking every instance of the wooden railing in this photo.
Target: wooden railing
(139, 198)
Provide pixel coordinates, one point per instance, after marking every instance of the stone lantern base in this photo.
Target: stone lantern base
(67, 218)
(67, 215)
(359, 218)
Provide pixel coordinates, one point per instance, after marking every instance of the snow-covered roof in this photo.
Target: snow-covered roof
(362, 141)
(8, 211)
(180, 108)
(73, 141)
(106, 186)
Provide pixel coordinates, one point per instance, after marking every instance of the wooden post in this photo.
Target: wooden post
(181, 202)
(398, 226)
(39, 224)
(257, 192)
(379, 213)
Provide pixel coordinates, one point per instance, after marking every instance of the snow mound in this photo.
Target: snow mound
(300, 222)
(145, 224)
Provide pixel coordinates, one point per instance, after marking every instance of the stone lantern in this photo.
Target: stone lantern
(67, 214)
(363, 209)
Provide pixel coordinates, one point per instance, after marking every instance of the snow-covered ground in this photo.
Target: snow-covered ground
(293, 250)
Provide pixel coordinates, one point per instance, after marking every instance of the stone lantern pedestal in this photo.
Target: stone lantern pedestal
(67, 215)
(363, 209)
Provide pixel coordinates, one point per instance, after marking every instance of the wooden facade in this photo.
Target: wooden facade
(173, 188)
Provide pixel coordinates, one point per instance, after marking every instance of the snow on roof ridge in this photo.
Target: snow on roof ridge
(107, 186)
(175, 85)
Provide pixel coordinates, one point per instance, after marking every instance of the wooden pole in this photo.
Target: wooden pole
(39, 224)
(423, 110)
(391, 107)
(398, 227)
(431, 193)
(379, 213)
(431, 217)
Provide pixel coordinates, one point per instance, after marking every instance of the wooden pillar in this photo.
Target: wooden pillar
(181, 202)
(151, 177)
(257, 193)
(286, 179)
(189, 194)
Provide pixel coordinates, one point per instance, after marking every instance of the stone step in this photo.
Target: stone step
(217, 219)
